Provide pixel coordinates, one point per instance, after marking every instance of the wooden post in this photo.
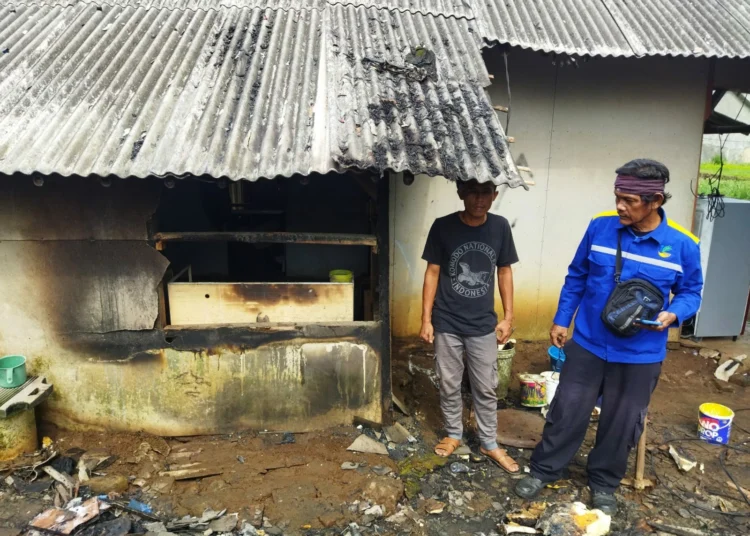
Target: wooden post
(641, 483)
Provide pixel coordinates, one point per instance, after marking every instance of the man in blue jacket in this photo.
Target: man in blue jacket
(624, 369)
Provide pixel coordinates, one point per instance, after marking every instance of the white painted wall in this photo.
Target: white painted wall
(573, 127)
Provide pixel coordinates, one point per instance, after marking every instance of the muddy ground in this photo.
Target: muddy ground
(300, 487)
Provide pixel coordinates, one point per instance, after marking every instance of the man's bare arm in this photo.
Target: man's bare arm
(429, 290)
(505, 285)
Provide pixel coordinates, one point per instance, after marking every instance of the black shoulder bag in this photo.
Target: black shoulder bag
(635, 299)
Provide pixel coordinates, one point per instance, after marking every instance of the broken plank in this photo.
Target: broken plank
(190, 474)
(400, 405)
(63, 479)
(677, 531)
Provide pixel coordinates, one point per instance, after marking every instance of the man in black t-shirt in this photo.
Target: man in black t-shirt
(463, 252)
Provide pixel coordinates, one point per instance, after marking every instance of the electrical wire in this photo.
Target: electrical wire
(659, 480)
(716, 208)
(507, 81)
(722, 460)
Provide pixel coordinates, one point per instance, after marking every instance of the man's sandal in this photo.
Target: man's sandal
(447, 445)
(503, 461)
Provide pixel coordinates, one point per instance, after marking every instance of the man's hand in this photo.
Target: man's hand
(427, 333)
(666, 319)
(503, 331)
(558, 335)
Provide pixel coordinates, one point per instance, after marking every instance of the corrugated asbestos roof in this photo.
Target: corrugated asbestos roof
(458, 8)
(698, 28)
(243, 93)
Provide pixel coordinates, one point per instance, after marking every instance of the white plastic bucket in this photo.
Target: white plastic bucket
(552, 381)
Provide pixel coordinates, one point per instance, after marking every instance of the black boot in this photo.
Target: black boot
(529, 487)
(605, 502)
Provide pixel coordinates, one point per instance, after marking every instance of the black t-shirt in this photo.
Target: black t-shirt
(468, 258)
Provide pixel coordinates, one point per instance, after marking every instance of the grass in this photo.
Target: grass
(735, 179)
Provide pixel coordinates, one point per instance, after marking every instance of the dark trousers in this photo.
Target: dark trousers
(626, 390)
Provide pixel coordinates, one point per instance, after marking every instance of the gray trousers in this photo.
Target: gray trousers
(481, 358)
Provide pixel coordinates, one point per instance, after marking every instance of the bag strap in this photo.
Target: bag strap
(618, 258)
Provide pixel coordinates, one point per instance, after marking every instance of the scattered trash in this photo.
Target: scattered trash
(352, 530)
(729, 367)
(140, 507)
(433, 507)
(457, 468)
(513, 528)
(63, 479)
(398, 434)
(367, 445)
(381, 470)
(156, 526)
(248, 529)
(224, 524)
(689, 373)
(375, 511)
(361, 422)
(573, 520)
(241, 459)
(476, 458)
(398, 518)
(287, 438)
(677, 531)
(463, 450)
(116, 527)
(529, 516)
(65, 521)
(349, 466)
(685, 461)
(400, 405)
(707, 353)
(63, 465)
(38, 486)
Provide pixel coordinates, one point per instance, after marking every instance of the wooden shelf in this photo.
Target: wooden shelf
(334, 239)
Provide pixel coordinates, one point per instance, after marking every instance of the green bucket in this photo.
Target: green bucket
(12, 371)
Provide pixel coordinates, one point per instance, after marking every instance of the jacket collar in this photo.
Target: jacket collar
(660, 233)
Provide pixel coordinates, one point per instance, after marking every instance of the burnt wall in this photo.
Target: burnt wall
(79, 298)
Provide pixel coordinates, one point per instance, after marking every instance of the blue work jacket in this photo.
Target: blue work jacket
(668, 257)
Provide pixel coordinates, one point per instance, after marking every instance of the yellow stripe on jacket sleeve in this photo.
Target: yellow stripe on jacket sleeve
(677, 227)
(605, 214)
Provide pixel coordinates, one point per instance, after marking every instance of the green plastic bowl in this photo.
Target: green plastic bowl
(341, 276)
(12, 371)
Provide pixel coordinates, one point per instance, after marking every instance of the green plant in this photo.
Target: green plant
(716, 160)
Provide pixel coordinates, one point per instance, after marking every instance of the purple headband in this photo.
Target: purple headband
(628, 184)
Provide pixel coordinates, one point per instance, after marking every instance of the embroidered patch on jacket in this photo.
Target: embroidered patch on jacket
(665, 252)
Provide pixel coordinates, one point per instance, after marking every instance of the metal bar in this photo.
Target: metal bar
(335, 239)
(383, 293)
